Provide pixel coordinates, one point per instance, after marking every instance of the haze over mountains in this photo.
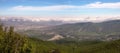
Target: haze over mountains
(22, 23)
(67, 18)
(38, 22)
(50, 29)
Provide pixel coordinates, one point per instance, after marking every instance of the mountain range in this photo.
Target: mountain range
(105, 31)
(57, 29)
(21, 23)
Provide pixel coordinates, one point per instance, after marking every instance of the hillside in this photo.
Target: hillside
(78, 47)
(106, 47)
(107, 30)
(12, 42)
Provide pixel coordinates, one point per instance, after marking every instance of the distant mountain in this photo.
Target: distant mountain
(107, 30)
(49, 29)
(24, 24)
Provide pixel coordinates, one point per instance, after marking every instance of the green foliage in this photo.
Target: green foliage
(105, 47)
(39, 46)
(12, 42)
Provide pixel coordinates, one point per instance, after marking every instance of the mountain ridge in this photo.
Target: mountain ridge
(108, 30)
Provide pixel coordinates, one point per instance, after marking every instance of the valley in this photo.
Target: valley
(81, 37)
(59, 26)
(104, 31)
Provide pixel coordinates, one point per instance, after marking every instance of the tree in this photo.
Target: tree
(12, 42)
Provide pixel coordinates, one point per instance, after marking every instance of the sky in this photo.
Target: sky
(59, 7)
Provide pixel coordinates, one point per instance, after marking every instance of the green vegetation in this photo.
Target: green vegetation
(12, 42)
(39, 46)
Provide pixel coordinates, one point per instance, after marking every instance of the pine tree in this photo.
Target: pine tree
(12, 42)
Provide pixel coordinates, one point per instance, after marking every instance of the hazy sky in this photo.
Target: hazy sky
(59, 7)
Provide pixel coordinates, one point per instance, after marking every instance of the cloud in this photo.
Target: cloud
(64, 7)
(44, 8)
(102, 5)
(70, 18)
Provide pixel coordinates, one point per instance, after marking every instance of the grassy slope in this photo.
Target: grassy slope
(106, 47)
(81, 47)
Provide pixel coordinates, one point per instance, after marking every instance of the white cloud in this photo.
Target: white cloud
(63, 7)
(70, 18)
(43, 8)
(102, 5)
